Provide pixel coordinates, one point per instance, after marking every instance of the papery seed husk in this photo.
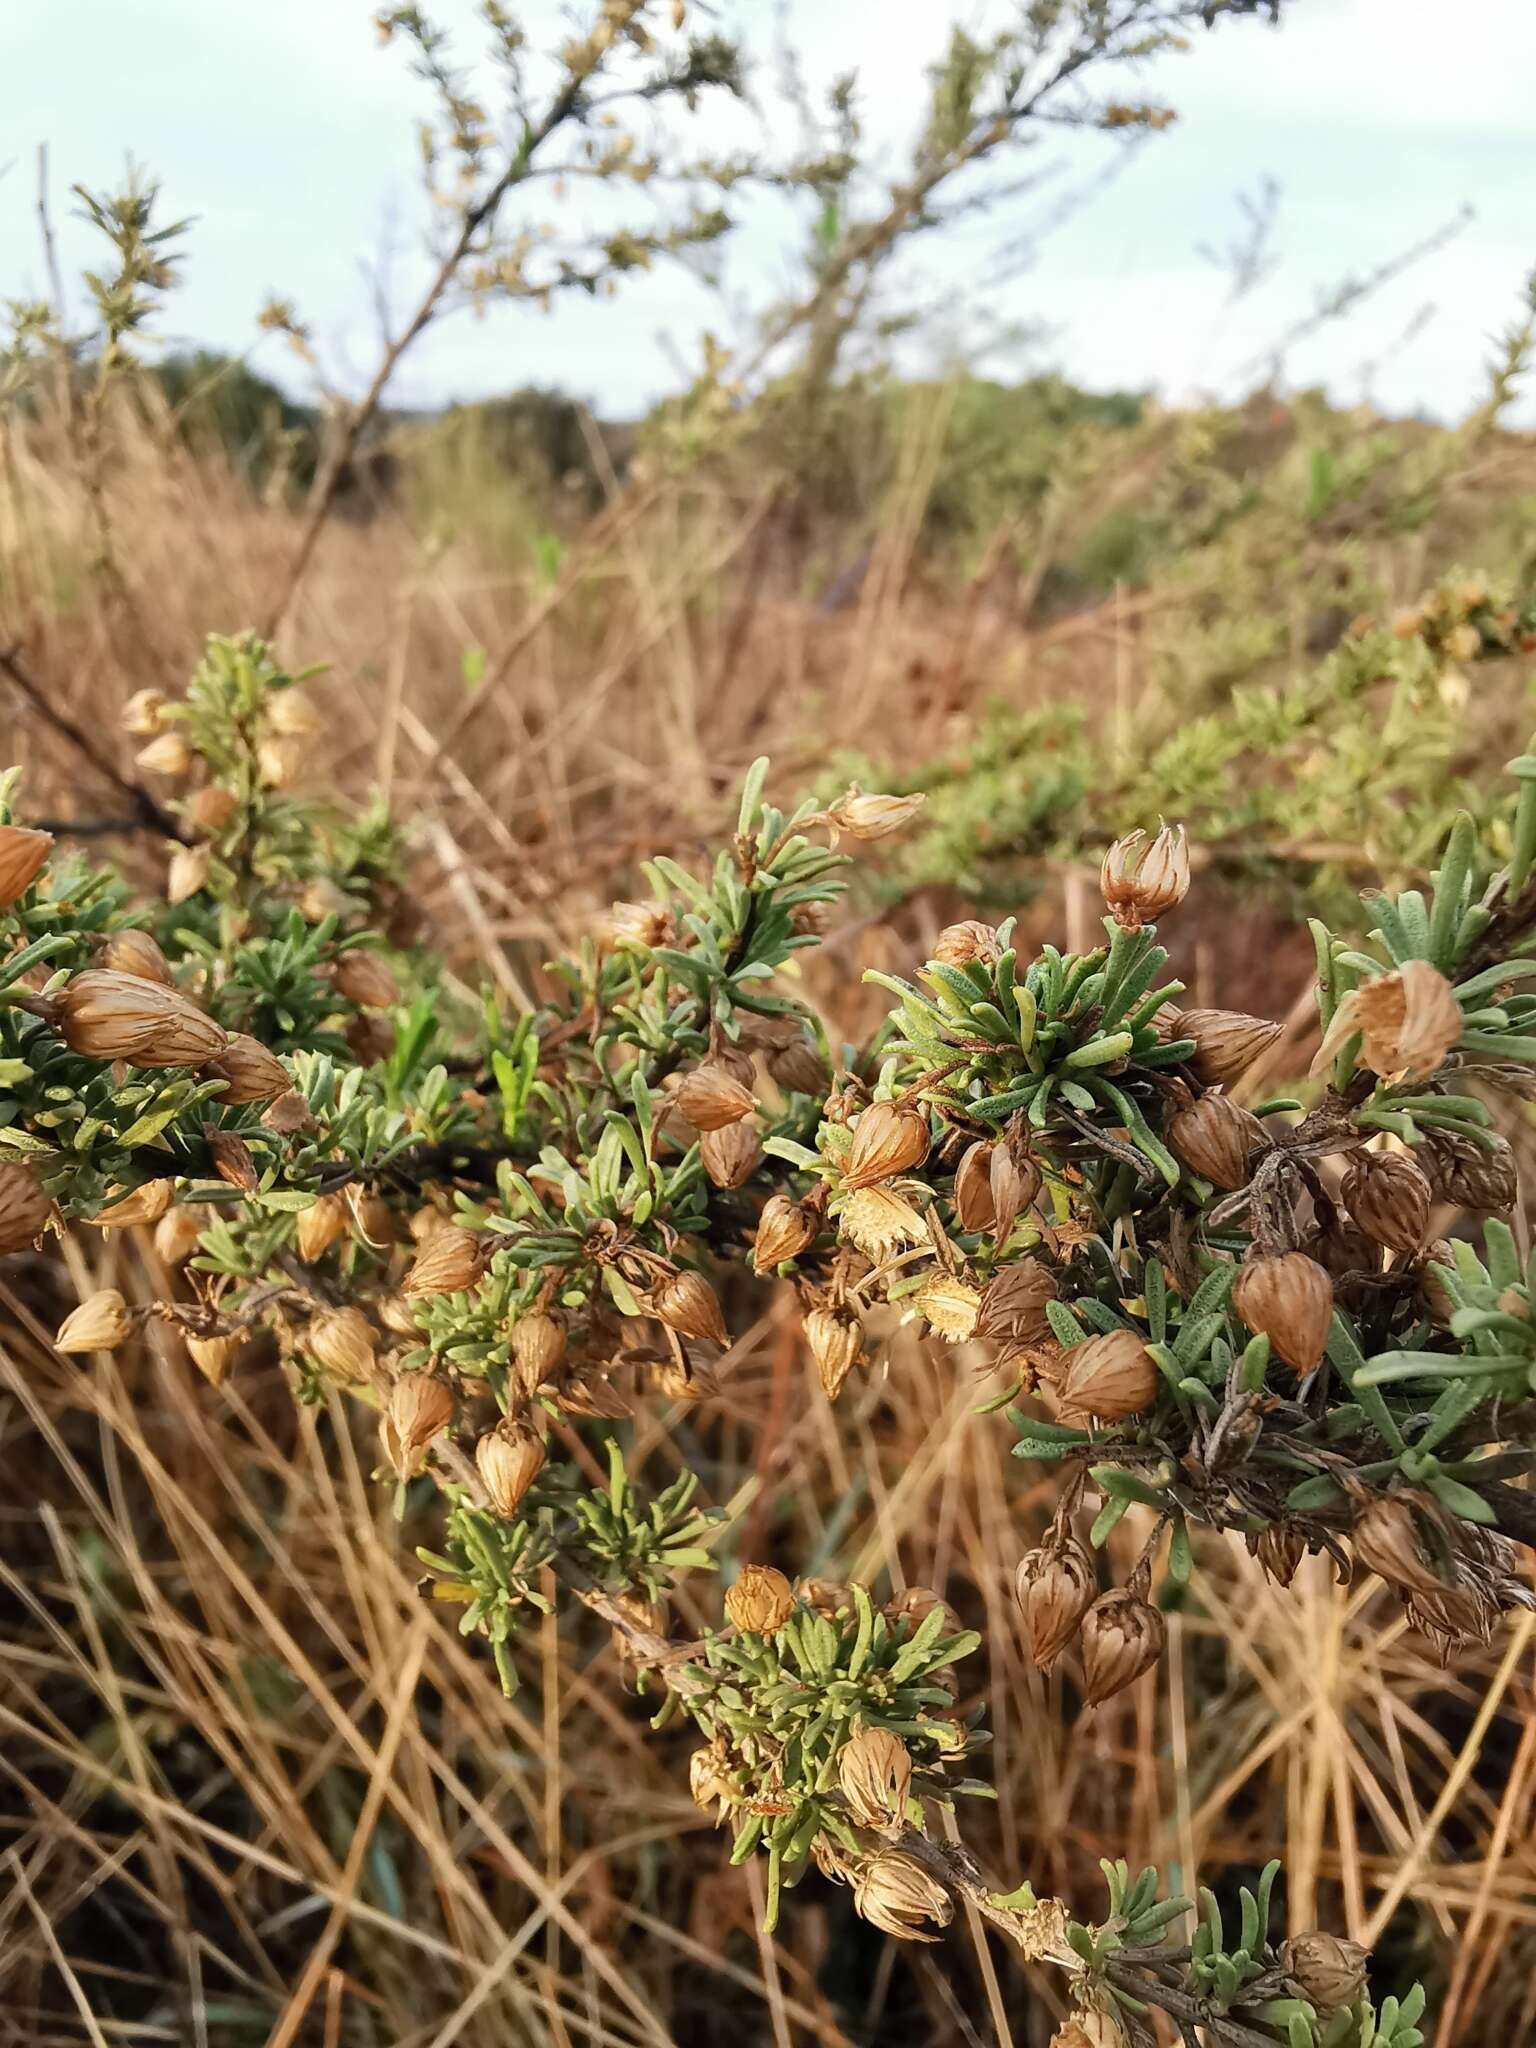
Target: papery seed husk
(508, 1460)
(232, 1160)
(1439, 1259)
(760, 1601)
(836, 1339)
(146, 1203)
(1385, 1539)
(1288, 1298)
(291, 713)
(279, 760)
(363, 979)
(1279, 1548)
(974, 1206)
(874, 1775)
(213, 1356)
(1142, 879)
(23, 855)
(143, 714)
(107, 1015)
(448, 1263)
(187, 873)
(372, 1215)
(211, 809)
(538, 1346)
(1016, 1180)
(287, 1114)
(1111, 1376)
(318, 1227)
(135, 952)
(25, 1209)
(1328, 1971)
(890, 1138)
(342, 1340)
(640, 924)
(1055, 1586)
(784, 1230)
(948, 1305)
(1216, 1138)
(250, 1073)
(396, 1314)
(1090, 2027)
(869, 815)
(732, 1155)
(100, 1323)
(1122, 1636)
(799, 1069)
(895, 1893)
(1408, 1021)
(688, 1304)
(826, 1597)
(418, 1410)
(168, 754)
(959, 944)
(880, 1221)
(1227, 1042)
(711, 1097)
(1013, 1304)
(709, 1778)
(1484, 1177)
(178, 1231)
(1389, 1196)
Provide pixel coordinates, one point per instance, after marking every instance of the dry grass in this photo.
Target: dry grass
(255, 1788)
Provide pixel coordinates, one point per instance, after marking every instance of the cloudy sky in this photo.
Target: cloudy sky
(289, 133)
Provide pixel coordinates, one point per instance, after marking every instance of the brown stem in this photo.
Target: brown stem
(148, 810)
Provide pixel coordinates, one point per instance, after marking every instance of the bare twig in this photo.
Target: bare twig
(149, 812)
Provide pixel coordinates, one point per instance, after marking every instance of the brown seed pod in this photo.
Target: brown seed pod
(362, 978)
(341, 1340)
(1438, 1260)
(23, 855)
(100, 1323)
(731, 1155)
(948, 1304)
(250, 1073)
(317, 1228)
(688, 1304)
(760, 1601)
(1385, 1539)
(447, 1263)
(798, 1068)
(211, 809)
(418, 1410)
(107, 1015)
(1408, 1021)
(826, 1597)
(640, 924)
(1123, 1636)
(538, 1345)
(889, 1138)
(1279, 1547)
(213, 1356)
(974, 1207)
(232, 1160)
(784, 1230)
(187, 873)
(712, 1097)
(279, 761)
(291, 713)
(893, 1892)
(1110, 1376)
(1327, 1971)
(1056, 1584)
(1141, 879)
(146, 1203)
(1090, 2027)
(135, 952)
(865, 815)
(1288, 1298)
(1216, 1138)
(178, 1231)
(1227, 1042)
(836, 1338)
(143, 714)
(1484, 1177)
(1389, 1196)
(24, 1208)
(287, 1114)
(508, 1460)
(874, 1775)
(370, 1038)
(1013, 1304)
(167, 754)
(959, 944)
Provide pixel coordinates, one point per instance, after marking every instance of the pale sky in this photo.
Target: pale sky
(285, 128)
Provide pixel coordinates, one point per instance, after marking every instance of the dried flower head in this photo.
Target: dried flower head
(168, 755)
(798, 1068)
(641, 924)
(1480, 1173)
(784, 1230)
(24, 1208)
(709, 1779)
(1388, 1195)
(732, 1155)
(1013, 1304)
(713, 1096)
(143, 714)
(100, 1323)
(449, 1262)
(362, 978)
(879, 1222)
(232, 1160)
(760, 1601)
(342, 1342)
(688, 1304)
(1056, 1584)
(318, 1227)
(291, 713)
(1407, 1020)
(1327, 1971)
(864, 815)
(538, 1346)
(1288, 1298)
(178, 1231)
(1090, 2027)
(948, 1304)
(1385, 1537)
(836, 1338)
(889, 1138)
(1123, 1636)
(418, 1410)
(144, 1204)
(23, 854)
(508, 1460)
(188, 873)
(212, 807)
(959, 944)
(1216, 1138)
(1227, 1042)
(1110, 1376)
(874, 1775)
(893, 1892)
(279, 760)
(250, 1073)
(135, 952)
(213, 1356)
(1141, 878)
(111, 1016)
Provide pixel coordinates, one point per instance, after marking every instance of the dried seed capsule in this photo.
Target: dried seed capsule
(168, 755)
(1013, 1304)
(893, 1892)
(784, 1230)
(1327, 1971)
(1090, 2027)
(322, 898)
(688, 1304)
(712, 1097)
(836, 1338)
(1226, 1042)
(1388, 1195)
(135, 952)
(1474, 1176)
(826, 1597)
(1385, 1539)
(111, 1016)
(188, 873)
(342, 1341)
(278, 761)
(879, 1222)
(1288, 1298)
(372, 1216)
(23, 854)
(1279, 1547)
(874, 1775)
(24, 1208)
(508, 1460)
(448, 1263)
(318, 1227)
(640, 924)
(1015, 1183)
(213, 1356)
(396, 1314)
(538, 1345)
(178, 1231)
(1438, 1262)
(1216, 1138)
(948, 1305)
(211, 809)
(143, 714)
(889, 1138)
(370, 1038)
(146, 1203)
(287, 1114)
(100, 1323)
(1056, 1585)
(291, 713)
(709, 1780)
(761, 1600)
(1408, 1021)
(959, 944)
(731, 1155)
(974, 1206)
(232, 1160)
(362, 978)
(418, 1410)
(1123, 1636)
(1110, 1376)
(1142, 879)
(866, 815)
(798, 1068)
(249, 1071)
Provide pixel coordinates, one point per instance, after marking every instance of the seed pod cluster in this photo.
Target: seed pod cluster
(108, 1015)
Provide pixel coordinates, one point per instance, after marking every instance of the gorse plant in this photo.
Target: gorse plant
(1222, 1309)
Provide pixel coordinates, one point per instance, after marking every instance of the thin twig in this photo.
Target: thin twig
(151, 813)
